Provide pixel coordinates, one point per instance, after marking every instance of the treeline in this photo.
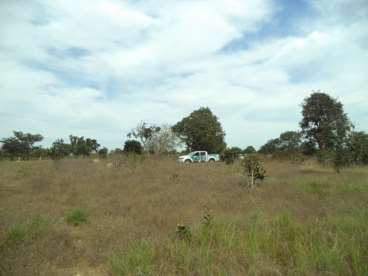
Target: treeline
(22, 146)
(325, 132)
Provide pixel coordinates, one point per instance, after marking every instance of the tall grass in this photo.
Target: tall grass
(257, 245)
(304, 219)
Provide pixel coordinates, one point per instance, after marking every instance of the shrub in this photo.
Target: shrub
(231, 154)
(253, 169)
(103, 152)
(133, 146)
(183, 232)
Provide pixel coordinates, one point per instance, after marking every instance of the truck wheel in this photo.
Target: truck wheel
(187, 161)
(211, 160)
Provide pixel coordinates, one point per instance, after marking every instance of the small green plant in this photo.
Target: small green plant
(183, 232)
(76, 217)
(16, 234)
(22, 231)
(253, 169)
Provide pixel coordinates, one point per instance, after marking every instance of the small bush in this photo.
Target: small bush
(253, 169)
(133, 147)
(103, 152)
(76, 217)
(183, 232)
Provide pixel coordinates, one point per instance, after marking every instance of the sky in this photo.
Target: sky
(96, 68)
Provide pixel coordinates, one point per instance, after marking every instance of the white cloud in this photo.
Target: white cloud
(96, 68)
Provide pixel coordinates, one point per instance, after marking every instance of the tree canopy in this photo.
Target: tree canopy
(324, 123)
(249, 150)
(201, 130)
(20, 145)
(133, 146)
(287, 142)
(81, 146)
(144, 133)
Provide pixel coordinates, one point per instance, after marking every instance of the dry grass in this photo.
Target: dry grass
(134, 206)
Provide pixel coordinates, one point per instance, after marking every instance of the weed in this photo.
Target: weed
(207, 218)
(183, 232)
(321, 189)
(16, 233)
(20, 232)
(137, 260)
(76, 217)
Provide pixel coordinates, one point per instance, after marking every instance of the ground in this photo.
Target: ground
(121, 217)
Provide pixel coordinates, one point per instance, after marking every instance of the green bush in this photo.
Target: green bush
(133, 146)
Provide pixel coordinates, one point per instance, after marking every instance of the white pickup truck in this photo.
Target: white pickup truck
(198, 156)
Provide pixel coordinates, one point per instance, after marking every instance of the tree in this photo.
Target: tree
(20, 145)
(287, 145)
(103, 152)
(290, 141)
(133, 146)
(201, 130)
(40, 152)
(249, 150)
(144, 133)
(358, 147)
(162, 140)
(231, 154)
(60, 149)
(80, 146)
(270, 147)
(324, 123)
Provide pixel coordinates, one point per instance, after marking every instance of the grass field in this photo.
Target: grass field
(79, 217)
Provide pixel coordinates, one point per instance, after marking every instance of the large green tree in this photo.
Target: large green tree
(325, 124)
(201, 130)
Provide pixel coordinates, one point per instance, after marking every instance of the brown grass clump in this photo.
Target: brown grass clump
(127, 215)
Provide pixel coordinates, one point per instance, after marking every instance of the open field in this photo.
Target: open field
(77, 217)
